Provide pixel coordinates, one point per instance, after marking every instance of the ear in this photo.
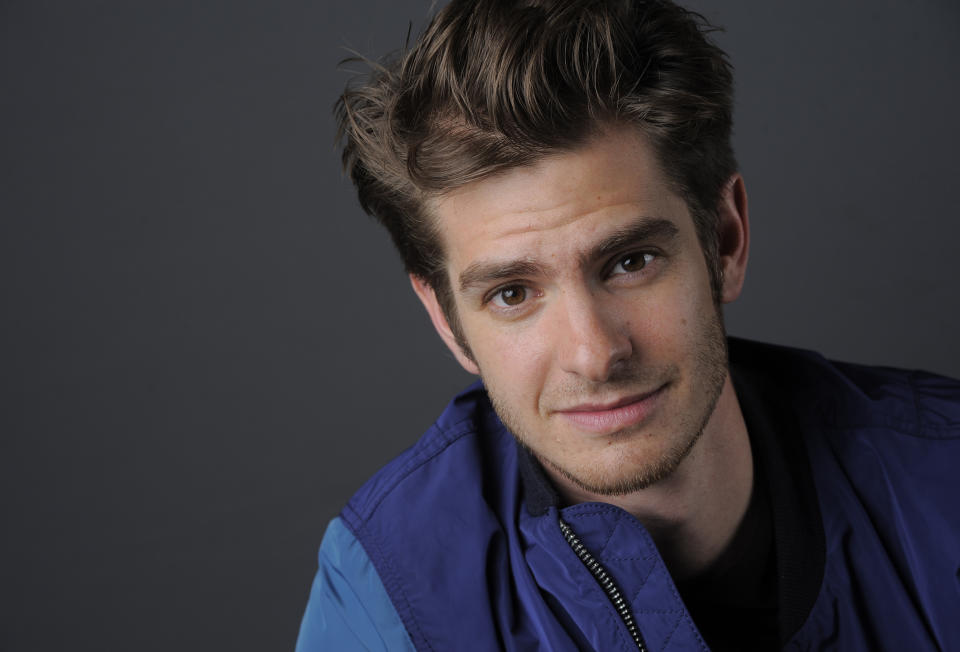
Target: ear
(734, 230)
(429, 300)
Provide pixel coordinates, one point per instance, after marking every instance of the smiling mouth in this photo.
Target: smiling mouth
(604, 419)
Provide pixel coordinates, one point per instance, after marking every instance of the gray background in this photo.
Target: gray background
(207, 347)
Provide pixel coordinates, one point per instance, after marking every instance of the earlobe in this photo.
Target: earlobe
(734, 231)
(428, 298)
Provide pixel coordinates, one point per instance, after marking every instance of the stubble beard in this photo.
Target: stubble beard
(709, 376)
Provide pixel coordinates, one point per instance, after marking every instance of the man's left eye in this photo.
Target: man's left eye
(633, 262)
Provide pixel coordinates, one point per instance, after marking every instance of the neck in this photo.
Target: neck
(693, 514)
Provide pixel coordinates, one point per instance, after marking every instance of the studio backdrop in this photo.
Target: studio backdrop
(207, 346)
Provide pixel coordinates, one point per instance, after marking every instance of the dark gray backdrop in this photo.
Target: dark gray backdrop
(207, 347)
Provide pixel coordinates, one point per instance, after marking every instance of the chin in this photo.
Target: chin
(622, 475)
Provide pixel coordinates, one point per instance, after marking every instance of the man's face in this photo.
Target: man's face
(585, 298)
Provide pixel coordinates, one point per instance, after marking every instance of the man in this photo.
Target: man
(558, 178)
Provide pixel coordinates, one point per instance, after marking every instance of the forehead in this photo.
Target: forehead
(559, 205)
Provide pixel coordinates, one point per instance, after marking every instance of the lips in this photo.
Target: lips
(607, 418)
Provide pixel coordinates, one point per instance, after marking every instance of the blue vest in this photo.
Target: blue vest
(448, 548)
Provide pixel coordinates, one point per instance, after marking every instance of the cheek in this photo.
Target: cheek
(513, 360)
(670, 322)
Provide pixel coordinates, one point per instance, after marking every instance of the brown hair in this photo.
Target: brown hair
(496, 84)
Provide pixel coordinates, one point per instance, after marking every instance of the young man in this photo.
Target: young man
(558, 178)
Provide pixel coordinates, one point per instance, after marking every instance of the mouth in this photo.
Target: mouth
(610, 417)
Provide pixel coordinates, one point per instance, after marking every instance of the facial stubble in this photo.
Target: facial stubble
(709, 376)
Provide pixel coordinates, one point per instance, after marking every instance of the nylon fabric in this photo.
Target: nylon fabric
(349, 608)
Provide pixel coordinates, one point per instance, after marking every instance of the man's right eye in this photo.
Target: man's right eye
(509, 297)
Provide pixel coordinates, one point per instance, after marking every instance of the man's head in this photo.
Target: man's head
(494, 85)
(559, 181)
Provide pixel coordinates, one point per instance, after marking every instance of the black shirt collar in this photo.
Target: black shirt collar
(538, 492)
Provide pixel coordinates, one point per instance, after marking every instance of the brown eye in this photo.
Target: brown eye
(632, 263)
(510, 296)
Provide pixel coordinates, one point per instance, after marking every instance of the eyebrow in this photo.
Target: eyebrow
(644, 229)
(483, 273)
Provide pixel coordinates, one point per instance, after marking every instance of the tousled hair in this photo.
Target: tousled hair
(497, 84)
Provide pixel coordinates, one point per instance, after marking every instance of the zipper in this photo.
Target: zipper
(606, 583)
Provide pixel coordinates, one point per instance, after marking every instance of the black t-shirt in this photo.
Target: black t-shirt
(759, 592)
(734, 601)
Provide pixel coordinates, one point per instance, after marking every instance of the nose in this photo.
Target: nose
(593, 339)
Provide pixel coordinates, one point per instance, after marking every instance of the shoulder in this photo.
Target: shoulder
(883, 446)
(447, 463)
(842, 395)
(430, 520)
(349, 607)
(420, 527)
